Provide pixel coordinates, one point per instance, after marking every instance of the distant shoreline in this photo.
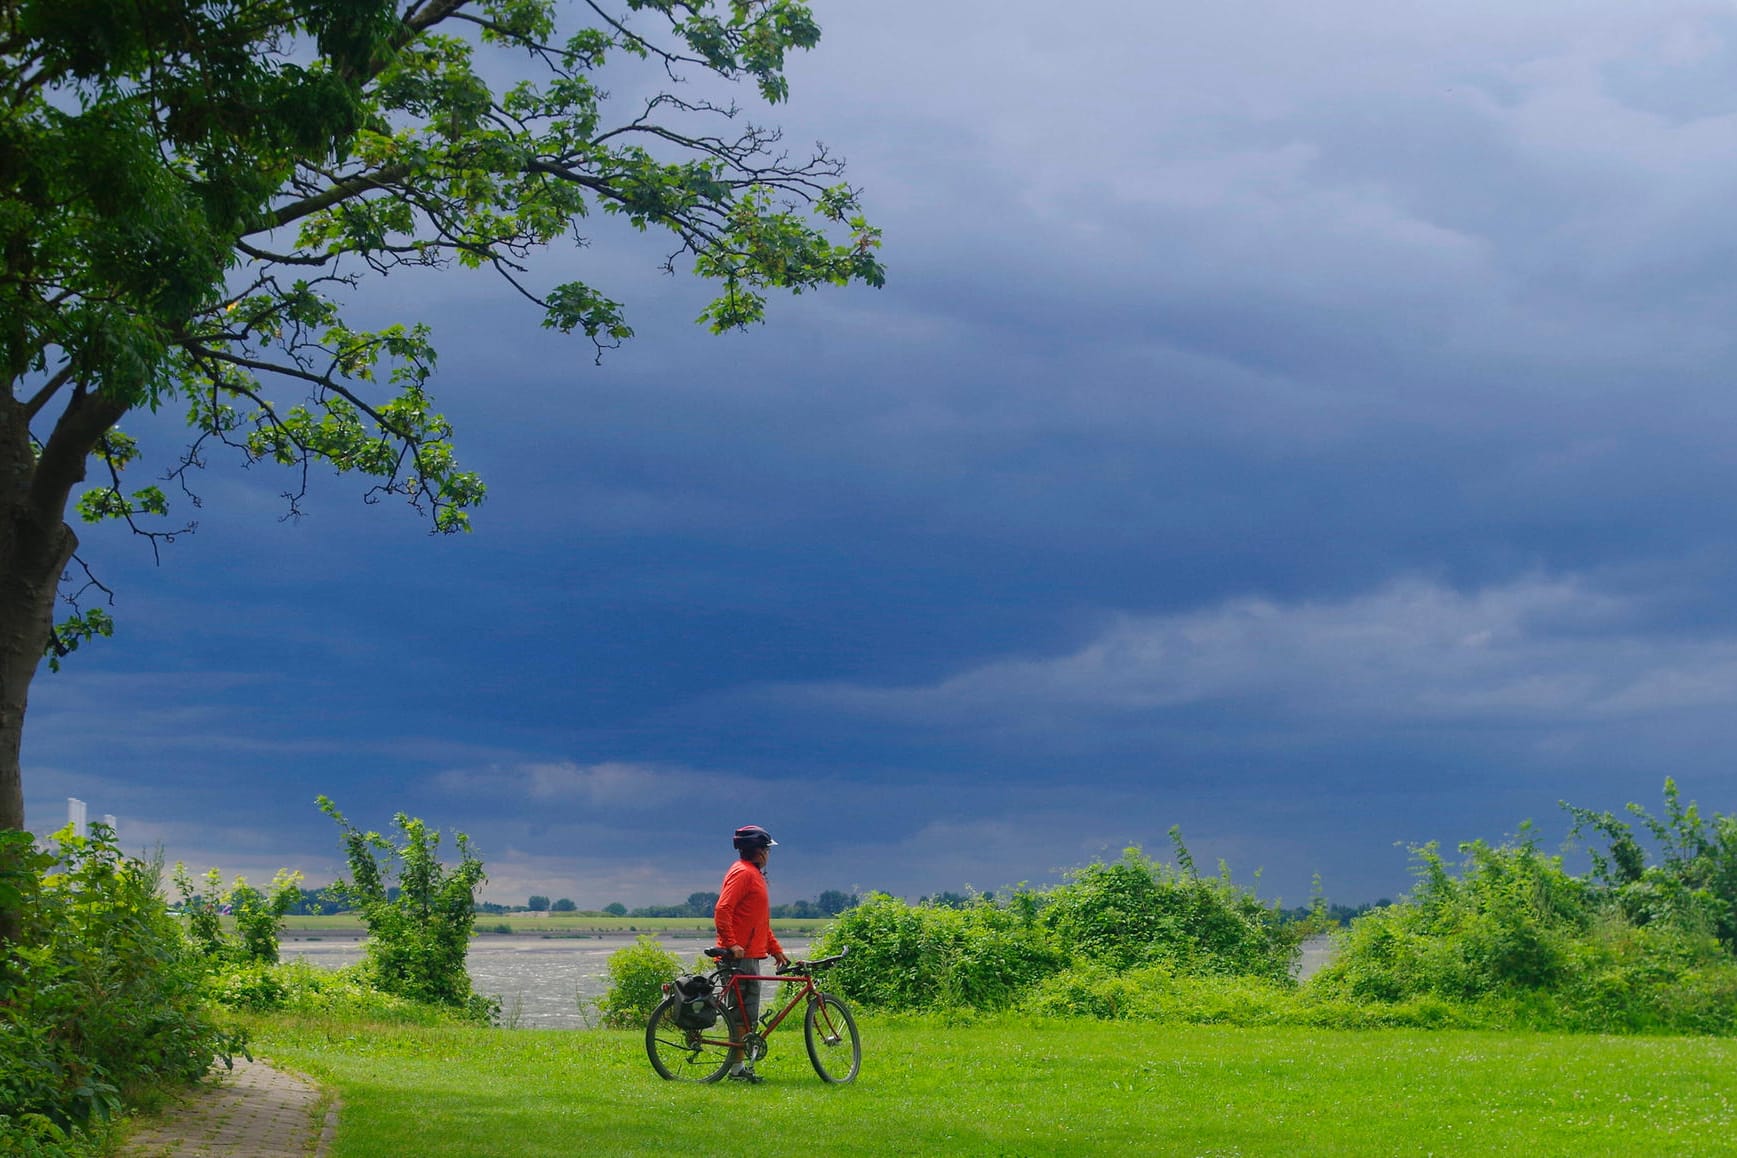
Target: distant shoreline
(345, 925)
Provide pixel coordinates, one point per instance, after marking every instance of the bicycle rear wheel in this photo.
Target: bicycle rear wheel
(686, 1055)
(833, 1044)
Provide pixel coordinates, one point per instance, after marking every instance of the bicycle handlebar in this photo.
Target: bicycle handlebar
(824, 962)
(720, 954)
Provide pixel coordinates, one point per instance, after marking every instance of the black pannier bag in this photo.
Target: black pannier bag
(696, 1004)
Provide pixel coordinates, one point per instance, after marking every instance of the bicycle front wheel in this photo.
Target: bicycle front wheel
(833, 1043)
(686, 1055)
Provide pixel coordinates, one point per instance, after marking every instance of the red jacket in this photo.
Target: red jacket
(744, 912)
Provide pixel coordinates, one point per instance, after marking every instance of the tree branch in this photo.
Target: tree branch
(324, 381)
(49, 390)
(62, 464)
(281, 258)
(342, 191)
(418, 19)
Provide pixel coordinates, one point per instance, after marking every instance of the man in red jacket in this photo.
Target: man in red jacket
(744, 920)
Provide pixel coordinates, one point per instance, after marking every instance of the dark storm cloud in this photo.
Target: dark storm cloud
(1309, 425)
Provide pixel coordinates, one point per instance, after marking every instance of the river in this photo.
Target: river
(540, 980)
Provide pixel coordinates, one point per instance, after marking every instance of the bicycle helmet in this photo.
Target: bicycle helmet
(752, 836)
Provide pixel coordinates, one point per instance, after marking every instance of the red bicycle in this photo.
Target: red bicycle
(684, 1046)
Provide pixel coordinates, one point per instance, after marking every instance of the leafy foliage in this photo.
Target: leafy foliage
(1139, 911)
(1507, 922)
(1159, 993)
(258, 916)
(1507, 938)
(418, 911)
(984, 954)
(39, 1136)
(1694, 882)
(185, 196)
(1517, 940)
(101, 993)
(636, 978)
(911, 957)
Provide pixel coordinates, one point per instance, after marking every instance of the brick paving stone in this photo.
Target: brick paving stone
(253, 1110)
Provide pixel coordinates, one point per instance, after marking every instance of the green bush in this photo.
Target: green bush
(419, 930)
(1137, 911)
(1624, 978)
(1506, 924)
(910, 957)
(1157, 993)
(1694, 883)
(258, 916)
(1516, 941)
(636, 979)
(101, 994)
(37, 1136)
(989, 955)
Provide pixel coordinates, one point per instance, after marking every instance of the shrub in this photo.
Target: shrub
(910, 957)
(1137, 911)
(955, 953)
(418, 930)
(636, 979)
(101, 993)
(37, 1136)
(258, 916)
(1504, 925)
(1516, 941)
(1693, 885)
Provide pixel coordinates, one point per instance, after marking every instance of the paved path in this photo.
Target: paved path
(254, 1111)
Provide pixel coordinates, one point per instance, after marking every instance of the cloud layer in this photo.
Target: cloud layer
(1307, 425)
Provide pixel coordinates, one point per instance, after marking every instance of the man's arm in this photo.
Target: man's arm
(724, 914)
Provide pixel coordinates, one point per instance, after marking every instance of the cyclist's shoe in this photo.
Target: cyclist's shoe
(748, 1076)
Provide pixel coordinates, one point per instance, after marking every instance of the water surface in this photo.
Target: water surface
(540, 980)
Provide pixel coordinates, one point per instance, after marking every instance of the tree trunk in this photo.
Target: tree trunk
(29, 576)
(28, 579)
(35, 547)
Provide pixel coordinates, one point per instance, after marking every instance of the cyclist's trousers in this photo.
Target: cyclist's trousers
(750, 990)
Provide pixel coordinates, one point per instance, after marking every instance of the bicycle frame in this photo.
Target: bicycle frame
(733, 987)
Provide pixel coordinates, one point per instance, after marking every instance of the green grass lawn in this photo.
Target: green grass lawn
(1030, 1087)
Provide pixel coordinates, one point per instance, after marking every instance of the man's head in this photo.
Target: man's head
(752, 841)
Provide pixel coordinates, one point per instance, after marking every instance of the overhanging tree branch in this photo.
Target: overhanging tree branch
(49, 389)
(144, 160)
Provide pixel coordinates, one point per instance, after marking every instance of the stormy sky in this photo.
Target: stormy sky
(1308, 425)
